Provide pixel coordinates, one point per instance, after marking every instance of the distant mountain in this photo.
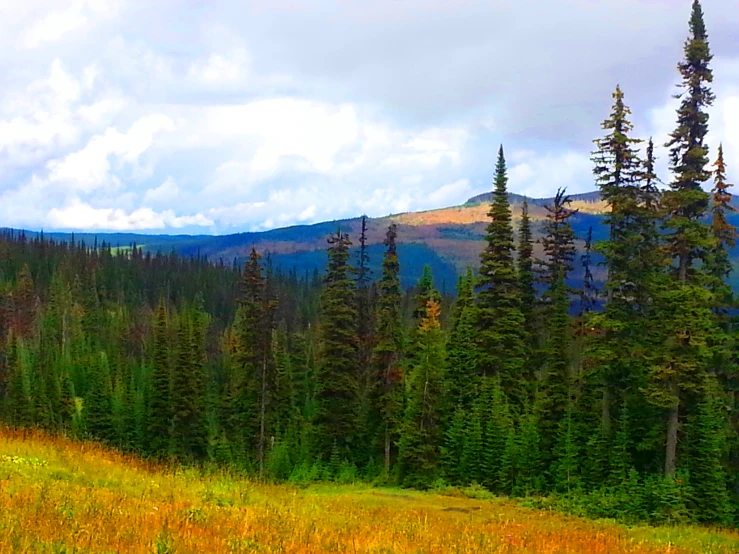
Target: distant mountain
(487, 197)
(447, 239)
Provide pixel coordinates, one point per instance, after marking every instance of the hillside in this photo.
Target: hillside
(447, 239)
(57, 495)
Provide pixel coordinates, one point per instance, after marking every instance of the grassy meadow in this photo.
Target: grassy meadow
(61, 496)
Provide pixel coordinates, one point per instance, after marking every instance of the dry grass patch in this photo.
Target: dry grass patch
(62, 496)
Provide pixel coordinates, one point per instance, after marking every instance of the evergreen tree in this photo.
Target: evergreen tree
(97, 403)
(159, 415)
(424, 292)
(526, 272)
(618, 171)
(387, 355)
(462, 347)
(188, 425)
(420, 440)
(707, 474)
(254, 377)
(337, 372)
(500, 319)
(688, 238)
(559, 248)
(724, 234)
(686, 202)
(18, 403)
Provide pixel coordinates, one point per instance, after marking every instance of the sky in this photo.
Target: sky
(222, 116)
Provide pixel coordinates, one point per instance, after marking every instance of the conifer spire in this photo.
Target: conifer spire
(500, 318)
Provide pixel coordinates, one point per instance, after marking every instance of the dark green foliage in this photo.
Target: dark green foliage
(97, 405)
(705, 461)
(554, 396)
(627, 410)
(338, 372)
(188, 425)
(419, 445)
(526, 270)
(461, 374)
(387, 355)
(159, 414)
(500, 319)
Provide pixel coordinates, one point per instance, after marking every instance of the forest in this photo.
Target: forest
(613, 401)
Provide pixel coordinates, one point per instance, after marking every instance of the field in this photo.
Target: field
(59, 496)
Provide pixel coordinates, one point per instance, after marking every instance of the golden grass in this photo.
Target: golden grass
(61, 496)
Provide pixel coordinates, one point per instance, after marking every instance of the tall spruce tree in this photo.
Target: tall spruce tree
(159, 416)
(461, 374)
(500, 320)
(559, 248)
(338, 371)
(188, 425)
(254, 380)
(526, 275)
(724, 234)
(683, 364)
(387, 354)
(615, 351)
(685, 201)
(419, 445)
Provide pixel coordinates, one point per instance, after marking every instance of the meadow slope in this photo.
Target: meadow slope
(61, 496)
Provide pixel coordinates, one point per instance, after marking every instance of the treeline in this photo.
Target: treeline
(627, 411)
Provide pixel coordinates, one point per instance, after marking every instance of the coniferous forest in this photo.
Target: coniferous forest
(617, 400)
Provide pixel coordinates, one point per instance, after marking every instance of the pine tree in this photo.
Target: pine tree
(387, 354)
(686, 202)
(724, 235)
(159, 416)
(453, 451)
(424, 292)
(188, 425)
(500, 319)
(566, 464)
(97, 404)
(529, 464)
(707, 474)
(420, 440)
(461, 374)
(615, 352)
(18, 404)
(253, 380)
(24, 303)
(338, 372)
(526, 271)
(687, 236)
(559, 248)
(618, 171)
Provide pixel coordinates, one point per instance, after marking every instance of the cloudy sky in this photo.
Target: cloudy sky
(218, 116)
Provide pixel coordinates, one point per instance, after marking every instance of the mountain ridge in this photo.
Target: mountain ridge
(448, 239)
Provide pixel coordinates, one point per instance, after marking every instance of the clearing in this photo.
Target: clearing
(62, 496)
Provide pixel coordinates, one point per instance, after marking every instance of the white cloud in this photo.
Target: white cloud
(219, 70)
(540, 175)
(248, 117)
(89, 168)
(80, 215)
(53, 26)
(450, 194)
(164, 193)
